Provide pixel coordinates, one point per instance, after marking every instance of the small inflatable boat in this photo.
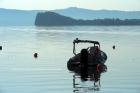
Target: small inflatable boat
(88, 57)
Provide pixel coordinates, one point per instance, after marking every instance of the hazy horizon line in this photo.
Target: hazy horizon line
(67, 8)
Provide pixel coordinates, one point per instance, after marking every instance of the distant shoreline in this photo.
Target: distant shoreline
(12, 17)
(55, 19)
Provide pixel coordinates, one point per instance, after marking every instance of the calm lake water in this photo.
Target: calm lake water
(20, 72)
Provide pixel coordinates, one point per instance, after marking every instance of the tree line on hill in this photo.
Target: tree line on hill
(54, 19)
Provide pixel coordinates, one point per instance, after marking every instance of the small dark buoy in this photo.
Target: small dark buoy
(113, 47)
(0, 47)
(35, 55)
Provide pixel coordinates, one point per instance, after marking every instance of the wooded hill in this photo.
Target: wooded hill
(54, 19)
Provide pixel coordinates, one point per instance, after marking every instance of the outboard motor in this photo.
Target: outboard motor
(84, 57)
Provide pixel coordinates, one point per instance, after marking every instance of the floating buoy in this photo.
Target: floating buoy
(113, 47)
(35, 55)
(0, 47)
(99, 67)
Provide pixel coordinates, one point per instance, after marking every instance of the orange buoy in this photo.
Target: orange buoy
(0, 47)
(99, 67)
(35, 55)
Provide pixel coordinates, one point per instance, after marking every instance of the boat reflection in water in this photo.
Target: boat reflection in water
(87, 79)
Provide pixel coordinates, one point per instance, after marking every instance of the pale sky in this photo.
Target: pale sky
(125, 5)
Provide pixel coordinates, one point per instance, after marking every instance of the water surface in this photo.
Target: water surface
(20, 72)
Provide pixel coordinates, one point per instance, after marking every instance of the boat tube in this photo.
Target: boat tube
(88, 57)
